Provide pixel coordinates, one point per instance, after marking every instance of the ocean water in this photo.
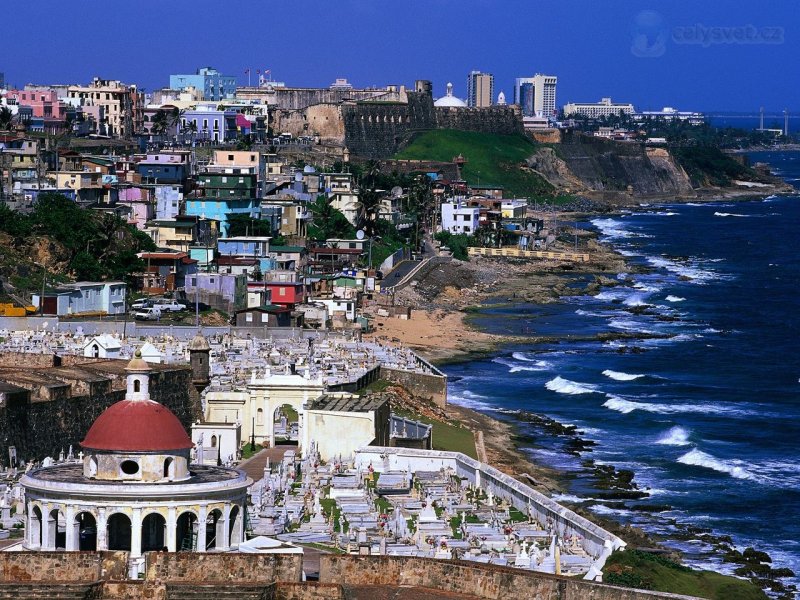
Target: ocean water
(708, 417)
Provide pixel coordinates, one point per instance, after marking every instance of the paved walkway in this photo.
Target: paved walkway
(254, 466)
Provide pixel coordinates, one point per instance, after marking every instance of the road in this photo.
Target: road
(398, 273)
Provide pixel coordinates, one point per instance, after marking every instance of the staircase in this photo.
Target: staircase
(36, 590)
(220, 591)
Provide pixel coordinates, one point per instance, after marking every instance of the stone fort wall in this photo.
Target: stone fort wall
(278, 577)
(48, 403)
(379, 128)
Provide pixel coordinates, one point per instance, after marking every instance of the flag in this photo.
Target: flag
(267, 71)
(247, 71)
(258, 71)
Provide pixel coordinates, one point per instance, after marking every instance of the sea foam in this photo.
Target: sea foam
(733, 467)
(672, 298)
(619, 376)
(565, 386)
(675, 436)
(724, 214)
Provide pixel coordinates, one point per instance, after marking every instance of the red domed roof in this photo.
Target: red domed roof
(137, 426)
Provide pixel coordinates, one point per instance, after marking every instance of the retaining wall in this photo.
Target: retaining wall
(194, 567)
(472, 579)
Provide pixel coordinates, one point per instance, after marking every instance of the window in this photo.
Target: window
(248, 317)
(264, 318)
(129, 467)
(136, 386)
(230, 156)
(260, 416)
(213, 441)
(281, 291)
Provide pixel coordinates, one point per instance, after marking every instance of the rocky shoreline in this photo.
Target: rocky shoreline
(615, 488)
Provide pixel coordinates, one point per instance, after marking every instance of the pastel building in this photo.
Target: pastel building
(211, 123)
(211, 83)
(458, 218)
(92, 297)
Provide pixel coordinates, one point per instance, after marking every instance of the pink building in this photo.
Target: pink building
(44, 102)
(140, 201)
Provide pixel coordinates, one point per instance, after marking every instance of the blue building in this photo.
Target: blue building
(213, 84)
(220, 208)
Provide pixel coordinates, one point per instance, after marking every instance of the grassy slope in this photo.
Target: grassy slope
(640, 569)
(446, 436)
(491, 159)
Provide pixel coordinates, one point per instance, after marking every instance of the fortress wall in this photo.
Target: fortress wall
(50, 409)
(472, 579)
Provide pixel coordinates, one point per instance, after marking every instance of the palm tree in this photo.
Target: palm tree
(6, 118)
(191, 128)
(160, 124)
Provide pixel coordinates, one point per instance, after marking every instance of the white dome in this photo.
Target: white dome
(501, 98)
(450, 100)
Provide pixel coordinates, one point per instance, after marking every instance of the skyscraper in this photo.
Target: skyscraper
(480, 89)
(536, 95)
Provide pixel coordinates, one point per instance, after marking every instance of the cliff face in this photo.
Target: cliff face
(583, 164)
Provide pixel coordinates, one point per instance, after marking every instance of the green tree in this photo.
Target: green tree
(6, 118)
(245, 225)
(328, 222)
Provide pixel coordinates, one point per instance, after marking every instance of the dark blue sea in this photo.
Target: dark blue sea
(709, 417)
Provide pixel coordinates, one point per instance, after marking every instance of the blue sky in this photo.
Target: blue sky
(725, 55)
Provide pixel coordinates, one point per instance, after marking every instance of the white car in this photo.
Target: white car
(147, 314)
(169, 305)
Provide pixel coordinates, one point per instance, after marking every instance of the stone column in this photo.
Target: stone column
(31, 530)
(201, 528)
(136, 533)
(48, 536)
(172, 529)
(225, 542)
(73, 535)
(102, 529)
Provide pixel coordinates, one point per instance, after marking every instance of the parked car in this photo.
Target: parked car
(148, 314)
(169, 305)
(142, 303)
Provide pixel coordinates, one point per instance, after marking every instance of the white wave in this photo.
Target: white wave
(630, 325)
(539, 363)
(588, 313)
(566, 498)
(733, 467)
(527, 364)
(469, 400)
(665, 214)
(625, 406)
(565, 386)
(676, 436)
(639, 285)
(636, 300)
(672, 298)
(619, 376)
(724, 214)
(601, 509)
(615, 230)
(683, 270)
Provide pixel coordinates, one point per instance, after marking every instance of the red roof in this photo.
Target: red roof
(137, 426)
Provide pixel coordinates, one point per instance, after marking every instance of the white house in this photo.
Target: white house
(102, 346)
(458, 218)
(84, 297)
(346, 306)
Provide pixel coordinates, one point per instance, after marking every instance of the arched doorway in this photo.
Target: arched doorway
(35, 534)
(235, 527)
(186, 532)
(153, 533)
(119, 532)
(87, 531)
(169, 468)
(56, 530)
(215, 530)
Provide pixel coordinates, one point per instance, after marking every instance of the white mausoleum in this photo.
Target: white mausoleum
(135, 489)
